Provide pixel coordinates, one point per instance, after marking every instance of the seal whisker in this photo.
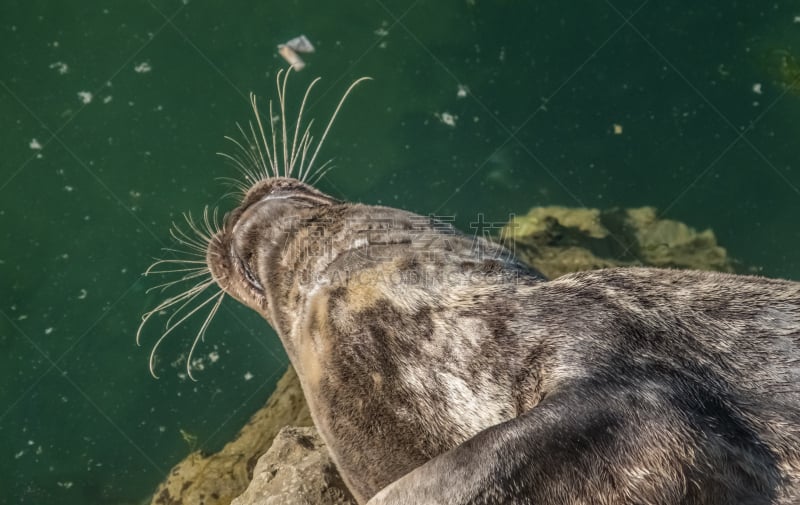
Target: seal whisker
(257, 146)
(178, 261)
(176, 298)
(206, 238)
(236, 184)
(168, 324)
(168, 303)
(198, 244)
(322, 171)
(282, 103)
(210, 221)
(181, 320)
(306, 144)
(201, 334)
(294, 152)
(333, 118)
(247, 169)
(193, 269)
(193, 251)
(184, 278)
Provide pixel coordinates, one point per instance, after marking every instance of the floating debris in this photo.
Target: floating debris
(757, 88)
(60, 66)
(617, 129)
(462, 92)
(85, 96)
(35, 145)
(301, 44)
(289, 50)
(447, 118)
(142, 67)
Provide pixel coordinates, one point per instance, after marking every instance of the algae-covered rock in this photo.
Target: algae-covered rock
(218, 478)
(559, 240)
(296, 470)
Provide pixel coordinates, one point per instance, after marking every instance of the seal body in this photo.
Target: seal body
(440, 370)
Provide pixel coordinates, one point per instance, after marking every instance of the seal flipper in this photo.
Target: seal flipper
(599, 444)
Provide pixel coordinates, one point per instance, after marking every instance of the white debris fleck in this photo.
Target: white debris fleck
(301, 44)
(797, 19)
(31, 442)
(22, 317)
(48, 331)
(35, 145)
(248, 376)
(162, 429)
(65, 485)
(60, 66)
(19, 454)
(213, 356)
(381, 32)
(69, 189)
(143, 67)
(447, 118)
(82, 294)
(85, 96)
(107, 99)
(292, 58)
(617, 129)
(462, 91)
(757, 88)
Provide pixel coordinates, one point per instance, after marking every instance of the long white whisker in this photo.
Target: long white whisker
(201, 334)
(306, 144)
(167, 324)
(193, 251)
(179, 234)
(322, 173)
(257, 145)
(164, 335)
(248, 151)
(168, 303)
(193, 269)
(282, 103)
(293, 157)
(184, 278)
(333, 118)
(162, 262)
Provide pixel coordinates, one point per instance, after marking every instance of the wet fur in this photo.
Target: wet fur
(440, 370)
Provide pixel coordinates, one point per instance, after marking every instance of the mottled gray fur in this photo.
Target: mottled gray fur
(439, 370)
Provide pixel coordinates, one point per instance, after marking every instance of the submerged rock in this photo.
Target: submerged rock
(297, 469)
(559, 240)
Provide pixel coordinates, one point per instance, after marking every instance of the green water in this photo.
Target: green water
(703, 95)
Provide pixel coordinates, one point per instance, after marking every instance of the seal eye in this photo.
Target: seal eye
(249, 276)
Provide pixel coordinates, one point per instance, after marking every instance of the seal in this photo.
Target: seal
(441, 370)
